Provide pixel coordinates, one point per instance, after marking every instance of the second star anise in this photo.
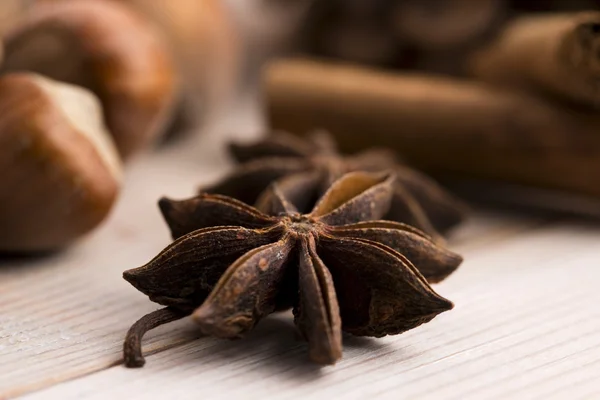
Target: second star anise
(417, 200)
(338, 267)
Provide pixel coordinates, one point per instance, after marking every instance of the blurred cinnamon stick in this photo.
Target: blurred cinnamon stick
(441, 125)
(557, 54)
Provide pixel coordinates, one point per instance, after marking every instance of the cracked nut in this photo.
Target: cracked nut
(60, 169)
(108, 48)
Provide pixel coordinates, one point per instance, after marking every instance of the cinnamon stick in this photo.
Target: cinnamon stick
(441, 125)
(551, 54)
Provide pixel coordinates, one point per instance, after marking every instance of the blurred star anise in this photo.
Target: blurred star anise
(338, 267)
(417, 200)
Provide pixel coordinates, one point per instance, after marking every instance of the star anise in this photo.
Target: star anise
(417, 200)
(338, 267)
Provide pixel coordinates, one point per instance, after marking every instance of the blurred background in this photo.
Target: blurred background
(498, 99)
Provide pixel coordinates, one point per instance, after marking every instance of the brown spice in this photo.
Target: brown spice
(554, 54)
(440, 125)
(305, 168)
(338, 267)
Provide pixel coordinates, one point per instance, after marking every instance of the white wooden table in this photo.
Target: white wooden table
(526, 323)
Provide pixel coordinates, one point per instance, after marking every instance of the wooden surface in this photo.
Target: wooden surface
(526, 322)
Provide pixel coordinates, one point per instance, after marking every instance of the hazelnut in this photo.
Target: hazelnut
(60, 169)
(108, 48)
(11, 11)
(205, 43)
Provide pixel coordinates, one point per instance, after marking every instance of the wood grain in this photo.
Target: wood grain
(525, 323)
(525, 326)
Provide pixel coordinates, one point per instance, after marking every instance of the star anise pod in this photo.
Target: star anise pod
(417, 200)
(338, 267)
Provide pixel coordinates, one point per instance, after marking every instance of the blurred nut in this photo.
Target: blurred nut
(60, 170)
(108, 48)
(204, 41)
(11, 11)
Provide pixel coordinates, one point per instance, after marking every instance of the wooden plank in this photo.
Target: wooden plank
(64, 317)
(525, 321)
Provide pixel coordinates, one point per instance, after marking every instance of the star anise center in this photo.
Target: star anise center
(299, 224)
(339, 267)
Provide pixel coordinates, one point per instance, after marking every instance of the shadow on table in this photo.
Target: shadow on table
(274, 347)
(14, 261)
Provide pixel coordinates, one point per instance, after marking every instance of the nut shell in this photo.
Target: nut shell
(108, 48)
(203, 38)
(60, 170)
(11, 11)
